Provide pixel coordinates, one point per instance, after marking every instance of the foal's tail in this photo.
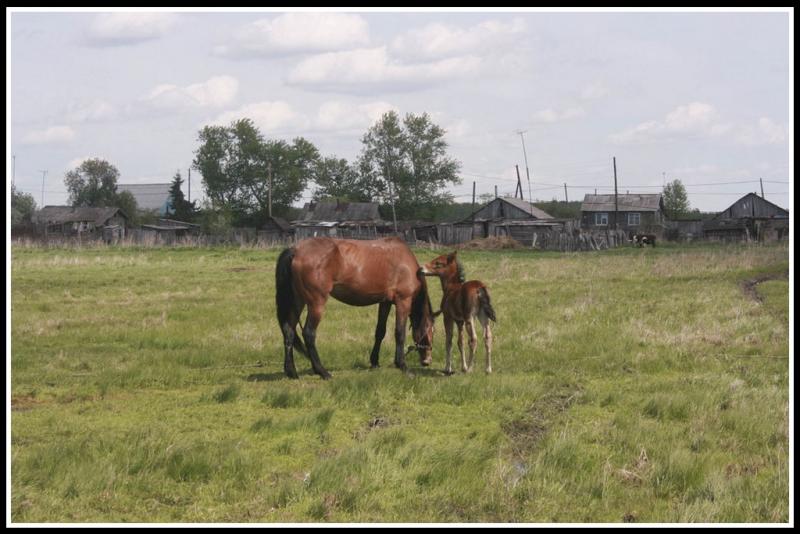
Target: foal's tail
(486, 303)
(284, 295)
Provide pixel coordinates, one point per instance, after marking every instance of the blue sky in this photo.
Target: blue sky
(703, 97)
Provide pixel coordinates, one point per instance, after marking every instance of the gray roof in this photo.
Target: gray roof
(340, 211)
(527, 207)
(148, 196)
(67, 214)
(650, 202)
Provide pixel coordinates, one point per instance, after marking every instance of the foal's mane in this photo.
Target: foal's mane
(462, 277)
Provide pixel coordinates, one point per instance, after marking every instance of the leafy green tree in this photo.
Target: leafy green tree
(336, 178)
(676, 201)
(182, 209)
(235, 162)
(92, 183)
(22, 207)
(127, 203)
(407, 163)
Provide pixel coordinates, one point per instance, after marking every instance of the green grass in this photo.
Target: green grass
(635, 385)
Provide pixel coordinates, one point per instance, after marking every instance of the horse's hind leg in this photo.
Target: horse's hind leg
(310, 334)
(289, 329)
(487, 341)
(380, 332)
(460, 325)
(473, 342)
(448, 344)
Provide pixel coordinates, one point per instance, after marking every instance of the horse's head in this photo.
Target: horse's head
(422, 323)
(446, 267)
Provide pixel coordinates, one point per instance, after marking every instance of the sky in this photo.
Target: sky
(703, 97)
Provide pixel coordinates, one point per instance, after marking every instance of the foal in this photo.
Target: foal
(461, 303)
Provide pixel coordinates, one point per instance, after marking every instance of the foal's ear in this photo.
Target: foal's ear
(452, 256)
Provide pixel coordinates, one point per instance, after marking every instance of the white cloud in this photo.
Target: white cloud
(699, 119)
(215, 92)
(267, 116)
(438, 41)
(356, 70)
(95, 111)
(338, 115)
(114, 29)
(550, 115)
(293, 33)
(52, 135)
(593, 91)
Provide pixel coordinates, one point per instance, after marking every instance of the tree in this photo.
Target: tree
(336, 178)
(127, 203)
(22, 207)
(676, 201)
(92, 183)
(406, 163)
(235, 161)
(182, 209)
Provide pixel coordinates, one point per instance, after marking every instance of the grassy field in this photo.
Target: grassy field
(631, 385)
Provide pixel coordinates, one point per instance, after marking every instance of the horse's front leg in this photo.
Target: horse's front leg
(402, 310)
(448, 345)
(380, 332)
(310, 337)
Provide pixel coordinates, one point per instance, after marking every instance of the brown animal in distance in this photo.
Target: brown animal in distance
(359, 273)
(462, 302)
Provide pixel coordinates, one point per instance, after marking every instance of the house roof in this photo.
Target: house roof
(67, 214)
(148, 196)
(629, 202)
(281, 223)
(340, 211)
(758, 198)
(528, 207)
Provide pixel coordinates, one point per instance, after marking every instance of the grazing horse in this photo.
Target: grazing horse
(359, 273)
(461, 303)
(644, 239)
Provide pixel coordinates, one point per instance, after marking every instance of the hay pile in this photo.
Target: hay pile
(491, 243)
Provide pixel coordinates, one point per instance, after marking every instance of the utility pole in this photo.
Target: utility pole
(13, 168)
(473, 201)
(391, 190)
(616, 201)
(762, 186)
(519, 185)
(527, 172)
(495, 191)
(44, 173)
(190, 185)
(566, 196)
(269, 172)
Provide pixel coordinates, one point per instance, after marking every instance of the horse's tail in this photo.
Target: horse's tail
(486, 303)
(284, 294)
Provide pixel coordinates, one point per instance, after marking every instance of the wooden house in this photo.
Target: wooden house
(631, 213)
(81, 222)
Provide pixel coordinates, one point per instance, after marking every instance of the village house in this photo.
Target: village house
(631, 213)
(352, 220)
(83, 222)
(749, 218)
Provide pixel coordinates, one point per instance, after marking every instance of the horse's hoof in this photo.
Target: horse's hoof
(326, 376)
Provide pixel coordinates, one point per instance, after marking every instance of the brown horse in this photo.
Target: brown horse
(359, 273)
(461, 303)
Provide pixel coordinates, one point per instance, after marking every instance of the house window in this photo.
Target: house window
(601, 219)
(634, 219)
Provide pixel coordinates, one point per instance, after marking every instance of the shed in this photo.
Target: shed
(635, 213)
(749, 218)
(70, 221)
(353, 220)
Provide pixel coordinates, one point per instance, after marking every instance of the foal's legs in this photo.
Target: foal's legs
(310, 334)
(460, 325)
(380, 332)
(473, 342)
(448, 344)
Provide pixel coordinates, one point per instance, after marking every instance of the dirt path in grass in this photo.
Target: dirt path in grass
(749, 285)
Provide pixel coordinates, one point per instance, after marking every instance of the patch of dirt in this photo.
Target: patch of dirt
(749, 286)
(24, 402)
(491, 243)
(527, 431)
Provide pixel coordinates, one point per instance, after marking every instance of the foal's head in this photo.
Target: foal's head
(447, 267)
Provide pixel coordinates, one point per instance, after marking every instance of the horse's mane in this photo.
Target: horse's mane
(421, 308)
(462, 277)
